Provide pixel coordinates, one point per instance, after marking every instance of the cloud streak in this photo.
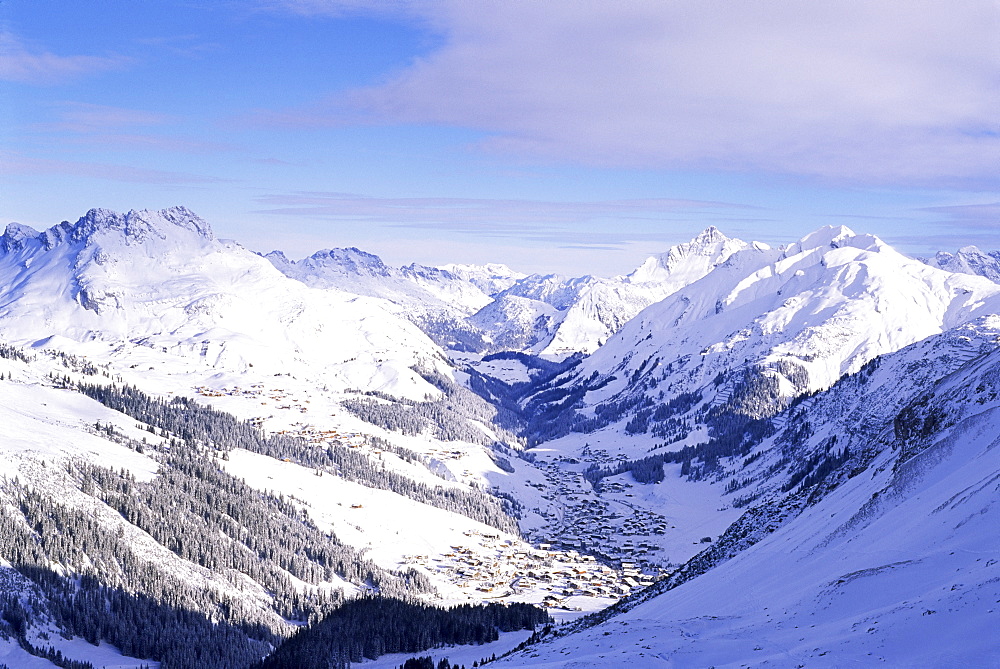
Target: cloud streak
(83, 117)
(23, 64)
(13, 164)
(122, 128)
(984, 216)
(584, 224)
(884, 92)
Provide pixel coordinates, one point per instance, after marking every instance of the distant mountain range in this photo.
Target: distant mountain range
(206, 448)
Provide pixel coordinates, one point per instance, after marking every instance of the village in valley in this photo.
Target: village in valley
(513, 571)
(588, 553)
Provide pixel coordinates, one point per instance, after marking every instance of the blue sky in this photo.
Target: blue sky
(575, 137)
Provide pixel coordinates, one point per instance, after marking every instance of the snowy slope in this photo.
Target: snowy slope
(361, 273)
(770, 324)
(513, 322)
(52, 431)
(969, 260)
(46, 427)
(889, 558)
(161, 280)
(558, 316)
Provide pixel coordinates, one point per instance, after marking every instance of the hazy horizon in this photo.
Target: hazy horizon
(576, 138)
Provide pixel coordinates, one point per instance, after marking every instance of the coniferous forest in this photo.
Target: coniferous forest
(370, 627)
(102, 591)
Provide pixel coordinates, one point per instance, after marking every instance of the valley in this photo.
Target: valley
(731, 443)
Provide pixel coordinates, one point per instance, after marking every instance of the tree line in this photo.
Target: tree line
(372, 626)
(192, 422)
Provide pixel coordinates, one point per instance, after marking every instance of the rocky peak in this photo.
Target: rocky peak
(138, 225)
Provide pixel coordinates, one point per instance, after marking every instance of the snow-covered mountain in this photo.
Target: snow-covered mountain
(161, 280)
(355, 271)
(438, 300)
(605, 306)
(115, 333)
(489, 308)
(490, 278)
(969, 260)
(797, 443)
(558, 316)
(868, 536)
(761, 328)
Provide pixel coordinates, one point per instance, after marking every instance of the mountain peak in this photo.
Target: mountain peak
(835, 237)
(347, 261)
(491, 278)
(831, 236)
(139, 225)
(710, 235)
(14, 236)
(970, 260)
(686, 262)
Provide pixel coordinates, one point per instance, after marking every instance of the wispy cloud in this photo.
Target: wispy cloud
(337, 8)
(882, 91)
(122, 128)
(584, 224)
(981, 216)
(85, 117)
(926, 245)
(473, 210)
(24, 63)
(12, 164)
(952, 227)
(188, 46)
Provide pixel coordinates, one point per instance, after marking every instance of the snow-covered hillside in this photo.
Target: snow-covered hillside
(766, 456)
(161, 280)
(557, 316)
(969, 260)
(762, 328)
(869, 536)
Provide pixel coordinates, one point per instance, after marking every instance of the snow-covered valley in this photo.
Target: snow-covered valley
(736, 455)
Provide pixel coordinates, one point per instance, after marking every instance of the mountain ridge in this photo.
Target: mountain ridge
(764, 327)
(774, 407)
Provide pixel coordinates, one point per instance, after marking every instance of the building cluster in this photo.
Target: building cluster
(579, 519)
(257, 390)
(319, 437)
(580, 525)
(287, 401)
(504, 569)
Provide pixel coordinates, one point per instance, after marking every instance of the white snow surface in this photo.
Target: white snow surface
(557, 316)
(161, 280)
(827, 304)
(454, 654)
(385, 525)
(897, 566)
